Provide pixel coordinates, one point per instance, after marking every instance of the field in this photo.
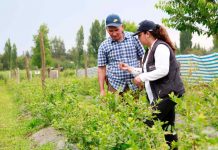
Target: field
(72, 105)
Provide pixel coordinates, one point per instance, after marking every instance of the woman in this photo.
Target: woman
(160, 73)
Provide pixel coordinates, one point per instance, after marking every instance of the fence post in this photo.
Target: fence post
(86, 63)
(27, 68)
(43, 59)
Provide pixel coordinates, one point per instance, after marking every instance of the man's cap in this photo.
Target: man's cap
(144, 26)
(113, 20)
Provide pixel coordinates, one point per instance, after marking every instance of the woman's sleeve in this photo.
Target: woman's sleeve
(162, 62)
(136, 71)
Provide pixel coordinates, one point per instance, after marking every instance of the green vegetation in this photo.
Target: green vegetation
(36, 57)
(191, 15)
(97, 35)
(72, 105)
(12, 129)
(15, 124)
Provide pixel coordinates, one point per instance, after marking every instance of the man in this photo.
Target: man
(121, 46)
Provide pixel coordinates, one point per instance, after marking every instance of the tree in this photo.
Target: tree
(215, 41)
(14, 57)
(72, 56)
(79, 47)
(1, 62)
(97, 35)
(191, 15)
(36, 51)
(57, 47)
(7, 55)
(102, 31)
(21, 62)
(9, 58)
(129, 26)
(185, 40)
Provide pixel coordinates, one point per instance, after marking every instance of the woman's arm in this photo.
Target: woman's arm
(162, 62)
(132, 70)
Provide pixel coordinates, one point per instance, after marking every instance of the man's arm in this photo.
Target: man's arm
(101, 79)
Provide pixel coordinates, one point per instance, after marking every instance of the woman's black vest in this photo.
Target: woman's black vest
(172, 82)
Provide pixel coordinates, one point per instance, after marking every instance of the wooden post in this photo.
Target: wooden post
(76, 71)
(49, 70)
(85, 59)
(31, 75)
(9, 74)
(59, 69)
(43, 59)
(27, 68)
(17, 75)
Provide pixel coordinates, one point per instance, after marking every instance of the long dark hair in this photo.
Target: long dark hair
(161, 33)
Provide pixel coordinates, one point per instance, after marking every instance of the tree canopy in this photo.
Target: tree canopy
(129, 26)
(36, 51)
(199, 16)
(79, 47)
(97, 35)
(9, 57)
(185, 40)
(57, 47)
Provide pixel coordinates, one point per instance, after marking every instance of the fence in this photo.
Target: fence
(199, 68)
(193, 68)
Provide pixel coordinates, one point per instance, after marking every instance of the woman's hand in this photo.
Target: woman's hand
(124, 66)
(137, 81)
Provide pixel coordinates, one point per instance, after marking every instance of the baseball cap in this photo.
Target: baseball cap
(113, 20)
(144, 26)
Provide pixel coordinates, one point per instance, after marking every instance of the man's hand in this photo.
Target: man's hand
(123, 66)
(102, 93)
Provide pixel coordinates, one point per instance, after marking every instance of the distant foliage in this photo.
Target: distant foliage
(194, 15)
(215, 41)
(80, 48)
(57, 48)
(36, 50)
(97, 35)
(9, 58)
(129, 26)
(185, 41)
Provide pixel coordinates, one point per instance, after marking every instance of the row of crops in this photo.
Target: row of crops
(73, 106)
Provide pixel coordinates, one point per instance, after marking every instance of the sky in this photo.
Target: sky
(21, 19)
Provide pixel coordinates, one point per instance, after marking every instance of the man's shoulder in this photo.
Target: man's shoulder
(105, 43)
(129, 35)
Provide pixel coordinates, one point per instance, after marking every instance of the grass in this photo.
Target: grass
(13, 127)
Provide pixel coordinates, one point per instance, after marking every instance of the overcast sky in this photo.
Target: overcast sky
(20, 19)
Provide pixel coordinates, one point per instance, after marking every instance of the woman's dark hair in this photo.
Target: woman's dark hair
(160, 33)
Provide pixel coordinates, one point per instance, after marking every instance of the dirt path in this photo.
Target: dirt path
(12, 130)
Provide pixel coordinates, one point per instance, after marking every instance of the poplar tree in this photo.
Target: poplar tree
(36, 51)
(7, 56)
(79, 47)
(96, 37)
(57, 47)
(185, 40)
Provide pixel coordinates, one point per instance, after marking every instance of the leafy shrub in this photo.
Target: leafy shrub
(113, 122)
